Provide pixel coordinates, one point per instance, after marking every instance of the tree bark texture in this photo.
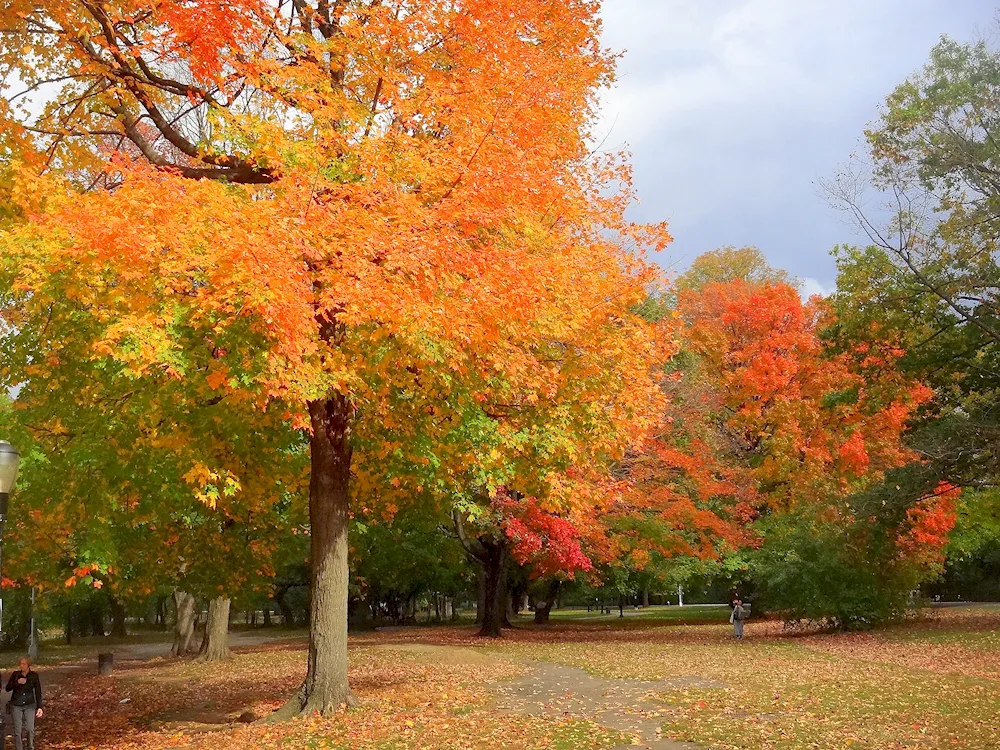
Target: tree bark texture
(215, 644)
(325, 689)
(495, 587)
(543, 607)
(184, 626)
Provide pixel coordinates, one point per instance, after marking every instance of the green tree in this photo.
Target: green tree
(730, 263)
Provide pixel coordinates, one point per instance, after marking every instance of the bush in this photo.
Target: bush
(838, 573)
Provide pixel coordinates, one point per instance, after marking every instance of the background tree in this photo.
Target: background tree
(730, 263)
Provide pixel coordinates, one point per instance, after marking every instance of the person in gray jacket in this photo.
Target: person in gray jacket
(736, 618)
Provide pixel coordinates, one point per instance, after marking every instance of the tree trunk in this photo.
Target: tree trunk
(184, 627)
(96, 619)
(267, 615)
(543, 607)
(215, 644)
(287, 616)
(325, 689)
(494, 587)
(117, 618)
(621, 605)
(481, 595)
(69, 625)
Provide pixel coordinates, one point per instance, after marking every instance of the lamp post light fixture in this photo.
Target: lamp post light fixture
(9, 459)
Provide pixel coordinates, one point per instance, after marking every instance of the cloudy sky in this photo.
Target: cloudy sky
(733, 109)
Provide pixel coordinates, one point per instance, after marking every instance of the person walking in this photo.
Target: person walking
(736, 618)
(25, 702)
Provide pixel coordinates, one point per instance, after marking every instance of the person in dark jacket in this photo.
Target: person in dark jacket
(25, 702)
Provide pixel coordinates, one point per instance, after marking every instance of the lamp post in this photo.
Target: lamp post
(9, 459)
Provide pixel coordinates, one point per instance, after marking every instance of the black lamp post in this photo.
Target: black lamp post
(9, 459)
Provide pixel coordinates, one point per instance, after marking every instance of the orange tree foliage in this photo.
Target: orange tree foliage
(806, 432)
(376, 222)
(802, 423)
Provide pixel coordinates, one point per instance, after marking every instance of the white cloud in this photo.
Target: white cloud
(811, 287)
(734, 108)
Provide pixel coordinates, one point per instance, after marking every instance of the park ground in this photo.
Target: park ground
(663, 678)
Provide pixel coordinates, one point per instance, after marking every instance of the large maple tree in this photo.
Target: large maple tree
(367, 218)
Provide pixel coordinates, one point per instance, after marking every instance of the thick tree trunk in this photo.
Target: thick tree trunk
(117, 618)
(267, 615)
(325, 689)
(215, 644)
(645, 597)
(495, 588)
(543, 607)
(184, 626)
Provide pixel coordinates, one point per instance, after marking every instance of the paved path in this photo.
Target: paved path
(619, 704)
(548, 689)
(133, 652)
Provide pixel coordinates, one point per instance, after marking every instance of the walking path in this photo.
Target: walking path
(623, 705)
(548, 689)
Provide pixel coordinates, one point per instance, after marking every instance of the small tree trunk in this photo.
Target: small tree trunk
(267, 615)
(543, 607)
(645, 597)
(184, 627)
(117, 618)
(621, 605)
(69, 625)
(287, 615)
(495, 580)
(96, 619)
(325, 689)
(215, 644)
(481, 594)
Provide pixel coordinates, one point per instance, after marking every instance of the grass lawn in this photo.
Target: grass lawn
(930, 683)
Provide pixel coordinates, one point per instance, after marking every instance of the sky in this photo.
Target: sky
(734, 109)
